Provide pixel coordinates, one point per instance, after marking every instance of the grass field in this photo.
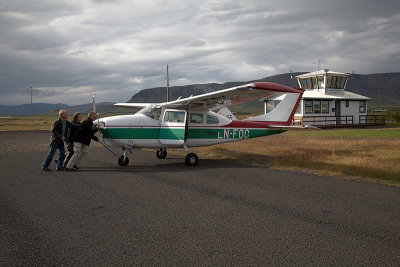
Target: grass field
(26, 123)
(373, 154)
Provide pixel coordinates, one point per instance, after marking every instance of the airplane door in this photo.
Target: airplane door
(173, 127)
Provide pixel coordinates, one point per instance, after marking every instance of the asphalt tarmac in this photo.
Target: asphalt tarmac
(162, 212)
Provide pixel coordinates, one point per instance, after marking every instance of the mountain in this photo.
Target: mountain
(383, 88)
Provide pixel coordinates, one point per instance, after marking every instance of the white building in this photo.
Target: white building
(325, 101)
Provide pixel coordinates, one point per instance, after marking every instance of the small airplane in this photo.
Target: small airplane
(190, 122)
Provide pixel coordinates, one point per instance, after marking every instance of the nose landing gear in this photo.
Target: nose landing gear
(161, 153)
(124, 160)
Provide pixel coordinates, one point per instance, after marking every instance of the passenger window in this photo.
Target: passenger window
(212, 119)
(174, 116)
(196, 118)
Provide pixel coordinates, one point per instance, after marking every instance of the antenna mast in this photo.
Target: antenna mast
(94, 104)
(167, 85)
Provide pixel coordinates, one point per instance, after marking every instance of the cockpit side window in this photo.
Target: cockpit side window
(153, 113)
(174, 116)
(211, 119)
(196, 118)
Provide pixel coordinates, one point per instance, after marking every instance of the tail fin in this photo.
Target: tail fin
(227, 113)
(283, 113)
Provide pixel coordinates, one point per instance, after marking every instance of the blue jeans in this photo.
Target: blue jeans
(61, 155)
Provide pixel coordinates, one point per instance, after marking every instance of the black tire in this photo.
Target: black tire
(162, 153)
(122, 162)
(191, 159)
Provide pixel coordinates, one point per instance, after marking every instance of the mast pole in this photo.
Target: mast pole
(167, 85)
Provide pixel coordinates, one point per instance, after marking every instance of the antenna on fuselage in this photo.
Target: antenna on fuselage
(167, 85)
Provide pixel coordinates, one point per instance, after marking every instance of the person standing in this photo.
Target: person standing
(70, 143)
(81, 139)
(59, 131)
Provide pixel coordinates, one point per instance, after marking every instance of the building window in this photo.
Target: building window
(298, 110)
(344, 80)
(325, 106)
(271, 104)
(333, 82)
(317, 106)
(337, 83)
(347, 103)
(363, 106)
(303, 83)
(308, 107)
(308, 83)
(314, 82)
(321, 82)
(328, 82)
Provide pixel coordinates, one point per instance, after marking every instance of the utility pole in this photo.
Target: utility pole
(30, 88)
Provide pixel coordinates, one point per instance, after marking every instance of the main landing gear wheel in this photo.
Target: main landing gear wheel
(123, 161)
(162, 153)
(191, 159)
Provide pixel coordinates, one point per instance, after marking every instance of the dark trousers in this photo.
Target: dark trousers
(69, 154)
(61, 155)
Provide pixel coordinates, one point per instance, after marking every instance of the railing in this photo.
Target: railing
(372, 119)
(325, 121)
(339, 121)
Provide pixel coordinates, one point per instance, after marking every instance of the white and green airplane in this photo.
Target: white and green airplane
(190, 122)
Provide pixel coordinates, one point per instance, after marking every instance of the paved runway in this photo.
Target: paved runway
(161, 212)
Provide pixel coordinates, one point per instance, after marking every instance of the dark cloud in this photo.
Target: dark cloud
(67, 49)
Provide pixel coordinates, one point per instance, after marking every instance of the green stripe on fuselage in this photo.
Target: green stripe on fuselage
(230, 133)
(168, 133)
(193, 133)
(131, 133)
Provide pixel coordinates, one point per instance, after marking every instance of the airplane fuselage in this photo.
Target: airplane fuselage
(176, 128)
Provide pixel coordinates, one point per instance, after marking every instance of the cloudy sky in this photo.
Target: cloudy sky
(65, 49)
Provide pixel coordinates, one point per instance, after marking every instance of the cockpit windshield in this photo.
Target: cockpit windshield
(151, 112)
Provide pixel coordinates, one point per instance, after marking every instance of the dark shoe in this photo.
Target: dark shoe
(75, 167)
(69, 169)
(46, 169)
(61, 169)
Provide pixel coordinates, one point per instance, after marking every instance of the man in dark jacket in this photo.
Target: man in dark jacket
(82, 137)
(70, 139)
(59, 131)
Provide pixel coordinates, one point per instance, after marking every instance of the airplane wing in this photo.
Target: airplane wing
(232, 96)
(134, 105)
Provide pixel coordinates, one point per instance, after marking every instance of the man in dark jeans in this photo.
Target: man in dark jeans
(70, 143)
(59, 131)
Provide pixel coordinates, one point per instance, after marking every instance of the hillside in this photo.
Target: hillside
(39, 108)
(383, 88)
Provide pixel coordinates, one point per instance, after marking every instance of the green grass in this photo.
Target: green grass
(352, 133)
(368, 154)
